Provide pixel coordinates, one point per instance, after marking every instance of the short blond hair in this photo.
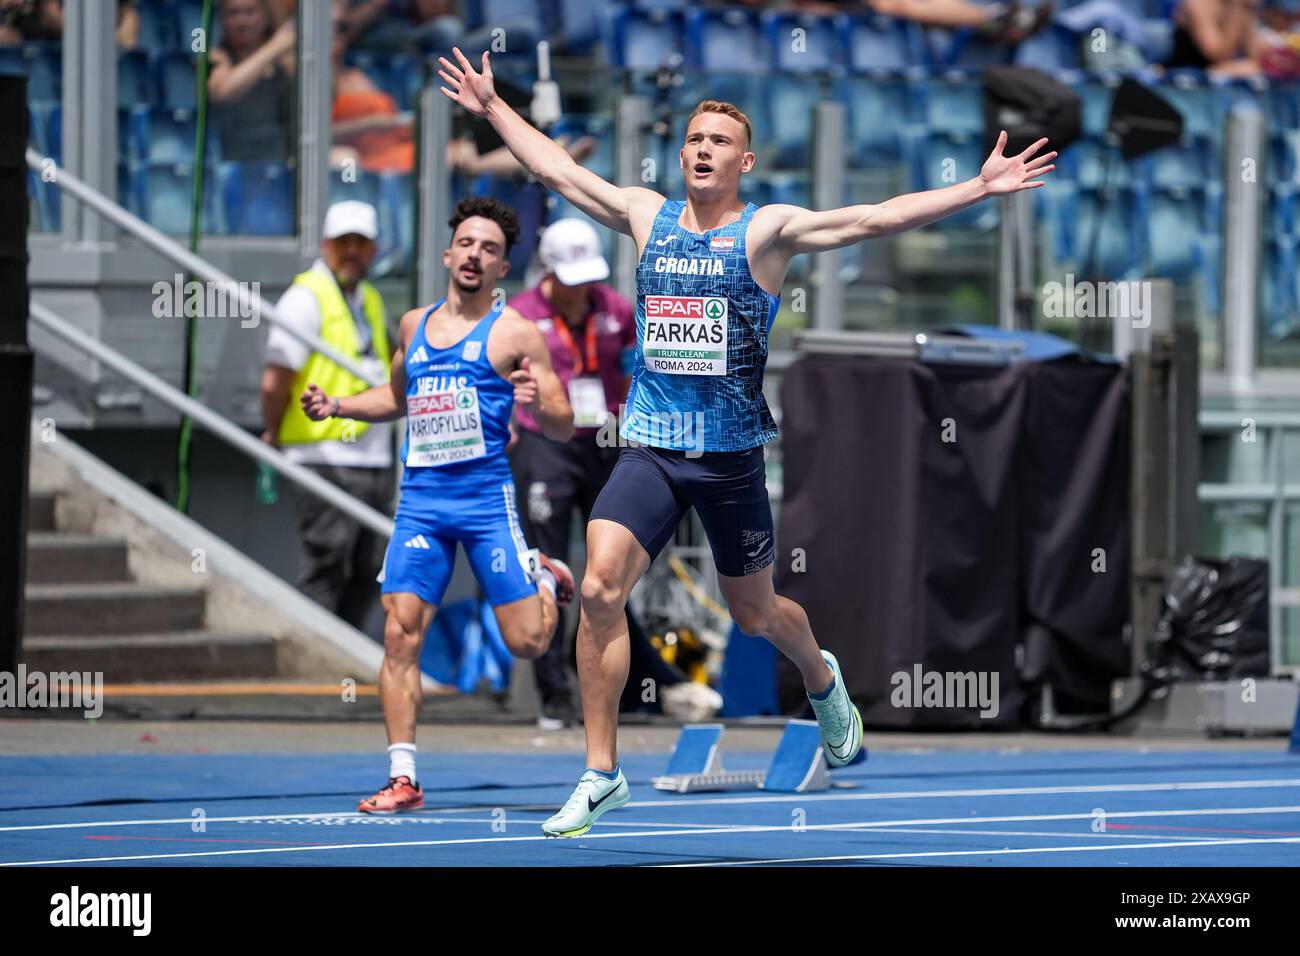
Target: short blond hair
(726, 109)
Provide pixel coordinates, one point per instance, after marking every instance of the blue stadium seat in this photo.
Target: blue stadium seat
(1107, 238)
(872, 138)
(1159, 34)
(1284, 156)
(1204, 108)
(41, 63)
(647, 39)
(176, 80)
(1278, 301)
(258, 198)
(364, 189)
(1173, 229)
(134, 79)
(791, 105)
(578, 25)
(397, 221)
(1184, 164)
(729, 40)
(599, 127)
(1097, 99)
(162, 194)
(879, 44)
(156, 29)
(1283, 217)
(963, 50)
(802, 43)
(1056, 206)
(1051, 49)
(942, 159)
(1281, 102)
(950, 106)
(407, 74)
(1094, 164)
(162, 135)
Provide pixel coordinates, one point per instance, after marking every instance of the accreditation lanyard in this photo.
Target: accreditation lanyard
(591, 358)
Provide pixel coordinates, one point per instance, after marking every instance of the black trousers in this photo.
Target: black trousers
(340, 556)
(551, 480)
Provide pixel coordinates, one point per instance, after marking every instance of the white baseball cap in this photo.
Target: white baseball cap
(350, 217)
(571, 249)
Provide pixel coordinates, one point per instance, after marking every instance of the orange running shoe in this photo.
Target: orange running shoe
(399, 796)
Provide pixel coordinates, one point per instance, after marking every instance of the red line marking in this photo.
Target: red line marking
(1142, 826)
(105, 836)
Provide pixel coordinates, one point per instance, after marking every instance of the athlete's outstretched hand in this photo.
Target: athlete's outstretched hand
(471, 89)
(1010, 174)
(316, 405)
(525, 384)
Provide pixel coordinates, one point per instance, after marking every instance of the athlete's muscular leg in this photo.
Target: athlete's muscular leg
(399, 677)
(527, 624)
(615, 561)
(758, 610)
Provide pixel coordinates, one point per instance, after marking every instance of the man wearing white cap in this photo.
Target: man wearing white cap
(591, 334)
(333, 301)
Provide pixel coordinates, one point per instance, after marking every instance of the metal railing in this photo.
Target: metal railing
(1276, 493)
(223, 428)
(241, 293)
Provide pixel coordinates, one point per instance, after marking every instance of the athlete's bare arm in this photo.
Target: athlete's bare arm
(537, 387)
(778, 232)
(630, 210)
(380, 403)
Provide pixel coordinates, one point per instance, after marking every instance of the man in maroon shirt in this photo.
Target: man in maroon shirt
(591, 332)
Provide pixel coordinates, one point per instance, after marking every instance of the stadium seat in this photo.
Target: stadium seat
(186, 17)
(816, 49)
(791, 103)
(156, 30)
(942, 159)
(1278, 299)
(1204, 108)
(162, 135)
(176, 80)
(397, 219)
(162, 195)
(647, 39)
(1050, 50)
(41, 63)
(134, 79)
(729, 40)
(962, 50)
(1097, 99)
(1173, 226)
(364, 189)
(1184, 164)
(879, 44)
(1159, 35)
(258, 198)
(950, 105)
(1107, 238)
(600, 128)
(1056, 206)
(1094, 164)
(407, 75)
(577, 25)
(868, 101)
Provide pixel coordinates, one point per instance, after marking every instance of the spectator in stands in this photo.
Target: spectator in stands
(28, 21)
(250, 83)
(404, 24)
(333, 301)
(1235, 38)
(591, 333)
(998, 22)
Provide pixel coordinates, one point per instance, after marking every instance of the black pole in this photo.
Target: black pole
(15, 368)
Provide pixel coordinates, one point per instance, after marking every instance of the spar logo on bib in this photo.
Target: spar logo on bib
(686, 334)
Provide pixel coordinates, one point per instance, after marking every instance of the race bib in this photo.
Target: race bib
(587, 396)
(685, 335)
(443, 427)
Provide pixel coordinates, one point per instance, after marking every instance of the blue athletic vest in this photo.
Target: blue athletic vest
(699, 313)
(457, 409)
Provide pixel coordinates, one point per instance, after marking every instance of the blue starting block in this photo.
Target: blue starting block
(798, 766)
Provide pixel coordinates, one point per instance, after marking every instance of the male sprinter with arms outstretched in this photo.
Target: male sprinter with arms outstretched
(708, 283)
(463, 364)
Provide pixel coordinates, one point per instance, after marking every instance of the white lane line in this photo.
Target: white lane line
(1003, 852)
(696, 830)
(1056, 834)
(799, 798)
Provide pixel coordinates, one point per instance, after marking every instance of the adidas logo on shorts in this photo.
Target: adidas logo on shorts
(416, 542)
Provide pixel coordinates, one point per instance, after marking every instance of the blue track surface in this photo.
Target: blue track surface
(946, 808)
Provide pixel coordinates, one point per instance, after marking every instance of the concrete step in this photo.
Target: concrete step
(69, 558)
(92, 610)
(40, 511)
(191, 655)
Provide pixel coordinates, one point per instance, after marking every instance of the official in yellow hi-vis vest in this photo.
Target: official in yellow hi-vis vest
(333, 301)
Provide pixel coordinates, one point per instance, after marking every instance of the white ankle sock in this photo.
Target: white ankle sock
(401, 761)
